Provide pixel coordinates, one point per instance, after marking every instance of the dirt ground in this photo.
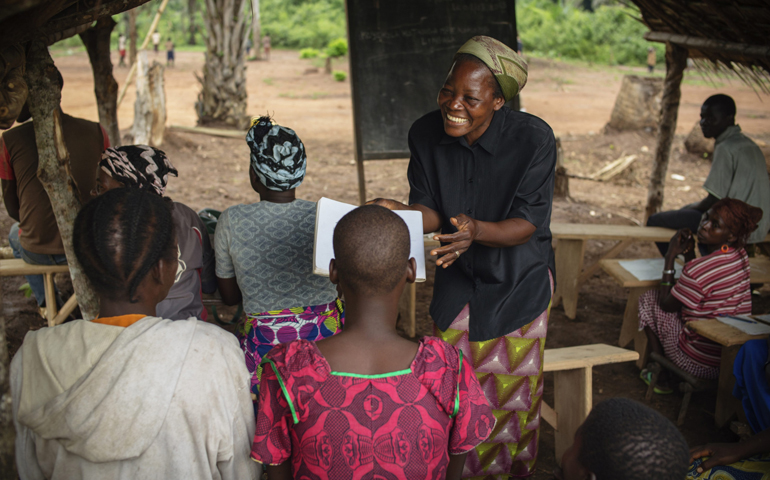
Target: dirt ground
(576, 100)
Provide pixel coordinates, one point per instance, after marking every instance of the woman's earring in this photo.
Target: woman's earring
(725, 248)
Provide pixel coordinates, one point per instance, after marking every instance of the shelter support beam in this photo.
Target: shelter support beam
(676, 62)
(699, 43)
(97, 42)
(54, 167)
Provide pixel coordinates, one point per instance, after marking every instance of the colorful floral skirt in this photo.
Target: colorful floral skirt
(510, 370)
(754, 468)
(688, 350)
(263, 331)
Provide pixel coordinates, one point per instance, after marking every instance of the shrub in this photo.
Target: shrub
(337, 48)
(308, 53)
(339, 75)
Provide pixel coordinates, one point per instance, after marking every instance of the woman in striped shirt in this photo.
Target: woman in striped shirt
(712, 285)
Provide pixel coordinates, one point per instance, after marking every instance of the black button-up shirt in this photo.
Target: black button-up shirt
(507, 173)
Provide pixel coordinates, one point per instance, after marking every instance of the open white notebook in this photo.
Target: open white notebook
(329, 212)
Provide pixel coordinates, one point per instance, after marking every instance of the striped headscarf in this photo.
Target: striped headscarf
(277, 155)
(139, 166)
(508, 67)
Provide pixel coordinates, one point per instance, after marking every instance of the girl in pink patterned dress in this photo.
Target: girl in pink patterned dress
(712, 285)
(368, 403)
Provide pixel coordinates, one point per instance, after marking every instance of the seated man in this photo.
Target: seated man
(738, 171)
(623, 439)
(35, 237)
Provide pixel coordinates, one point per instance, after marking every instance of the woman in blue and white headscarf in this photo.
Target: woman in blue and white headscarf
(264, 252)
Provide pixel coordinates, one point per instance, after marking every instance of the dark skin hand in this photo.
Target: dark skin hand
(11, 198)
(727, 453)
(228, 287)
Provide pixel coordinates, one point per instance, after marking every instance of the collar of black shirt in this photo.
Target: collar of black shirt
(489, 140)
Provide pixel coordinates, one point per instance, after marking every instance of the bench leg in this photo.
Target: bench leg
(50, 298)
(66, 309)
(727, 405)
(573, 400)
(642, 347)
(631, 317)
(569, 263)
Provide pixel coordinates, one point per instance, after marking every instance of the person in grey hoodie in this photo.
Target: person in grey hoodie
(131, 395)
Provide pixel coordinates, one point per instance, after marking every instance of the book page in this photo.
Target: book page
(329, 212)
(648, 268)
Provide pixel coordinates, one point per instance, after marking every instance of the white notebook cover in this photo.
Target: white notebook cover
(329, 212)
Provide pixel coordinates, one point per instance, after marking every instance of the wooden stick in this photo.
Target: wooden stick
(216, 132)
(131, 72)
(700, 43)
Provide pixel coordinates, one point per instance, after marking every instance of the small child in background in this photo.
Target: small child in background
(623, 439)
(169, 52)
(368, 403)
(122, 50)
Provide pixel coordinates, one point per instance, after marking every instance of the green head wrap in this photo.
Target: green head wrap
(508, 67)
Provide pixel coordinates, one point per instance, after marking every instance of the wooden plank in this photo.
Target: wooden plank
(17, 266)
(580, 231)
(50, 298)
(65, 311)
(642, 347)
(567, 358)
(573, 399)
(631, 317)
(710, 44)
(569, 261)
(215, 132)
(549, 415)
(727, 405)
(721, 333)
(760, 273)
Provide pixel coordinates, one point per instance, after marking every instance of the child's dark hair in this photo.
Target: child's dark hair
(622, 438)
(371, 248)
(119, 236)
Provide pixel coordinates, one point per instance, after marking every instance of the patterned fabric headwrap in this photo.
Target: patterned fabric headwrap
(139, 166)
(277, 155)
(508, 67)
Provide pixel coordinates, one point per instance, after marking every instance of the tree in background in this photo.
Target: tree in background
(191, 27)
(256, 29)
(222, 99)
(132, 35)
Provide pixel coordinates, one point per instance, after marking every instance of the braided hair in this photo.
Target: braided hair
(622, 438)
(740, 218)
(119, 236)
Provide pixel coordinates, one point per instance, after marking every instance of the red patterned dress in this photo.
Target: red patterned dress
(342, 426)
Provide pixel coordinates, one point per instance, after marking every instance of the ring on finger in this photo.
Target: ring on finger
(457, 253)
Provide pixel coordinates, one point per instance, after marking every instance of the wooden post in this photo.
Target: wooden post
(676, 62)
(132, 35)
(142, 128)
(157, 103)
(7, 432)
(573, 400)
(97, 42)
(569, 258)
(53, 165)
(561, 182)
(256, 29)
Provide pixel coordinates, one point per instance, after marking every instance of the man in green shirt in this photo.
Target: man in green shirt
(738, 171)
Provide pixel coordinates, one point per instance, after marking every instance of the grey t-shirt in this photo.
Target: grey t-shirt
(739, 171)
(268, 248)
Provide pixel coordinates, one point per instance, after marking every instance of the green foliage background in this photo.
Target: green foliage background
(548, 28)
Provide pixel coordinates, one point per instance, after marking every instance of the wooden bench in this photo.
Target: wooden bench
(16, 266)
(573, 392)
(760, 273)
(731, 340)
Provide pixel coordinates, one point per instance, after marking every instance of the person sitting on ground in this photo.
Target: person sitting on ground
(147, 168)
(368, 403)
(749, 459)
(36, 238)
(114, 397)
(623, 439)
(712, 285)
(264, 252)
(738, 171)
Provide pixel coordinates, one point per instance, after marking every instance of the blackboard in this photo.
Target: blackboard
(400, 52)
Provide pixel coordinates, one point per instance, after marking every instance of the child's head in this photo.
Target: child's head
(371, 250)
(121, 237)
(624, 439)
(278, 159)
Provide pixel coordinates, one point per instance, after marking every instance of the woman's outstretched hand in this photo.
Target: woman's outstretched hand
(718, 453)
(681, 243)
(459, 242)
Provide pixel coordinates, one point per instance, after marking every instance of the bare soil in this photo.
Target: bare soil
(576, 100)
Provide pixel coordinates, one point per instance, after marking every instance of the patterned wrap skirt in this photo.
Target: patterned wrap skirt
(688, 350)
(510, 370)
(262, 331)
(753, 468)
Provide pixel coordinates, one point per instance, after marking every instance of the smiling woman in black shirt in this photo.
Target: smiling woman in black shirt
(483, 175)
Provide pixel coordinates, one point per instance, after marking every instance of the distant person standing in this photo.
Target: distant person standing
(122, 50)
(169, 52)
(156, 41)
(249, 44)
(266, 46)
(519, 45)
(651, 59)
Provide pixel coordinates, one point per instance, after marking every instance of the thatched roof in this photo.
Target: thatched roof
(727, 34)
(24, 20)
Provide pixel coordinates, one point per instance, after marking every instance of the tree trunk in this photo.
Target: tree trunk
(97, 42)
(256, 29)
(561, 181)
(222, 99)
(132, 35)
(676, 62)
(157, 103)
(53, 165)
(7, 431)
(192, 28)
(142, 128)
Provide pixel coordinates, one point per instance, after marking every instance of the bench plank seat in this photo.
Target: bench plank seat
(585, 356)
(16, 266)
